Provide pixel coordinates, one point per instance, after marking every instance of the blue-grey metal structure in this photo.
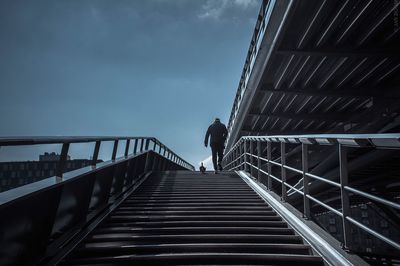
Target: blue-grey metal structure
(329, 68)
(320, 67)
(316, 71)
(39, 218)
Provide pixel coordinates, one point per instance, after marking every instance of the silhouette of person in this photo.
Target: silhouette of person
(202, 168)
(217, 133)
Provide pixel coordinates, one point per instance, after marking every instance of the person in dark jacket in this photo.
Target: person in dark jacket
(217, 133)
(202, 168)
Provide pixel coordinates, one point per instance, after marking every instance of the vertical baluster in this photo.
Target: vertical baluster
(63, 159)
(96, 152)
(128, 141)
(306, 180)
(258, 160)
(283, 170)
(135, 147)
(141, 144)
(269, 166)
(115, 148)
(344, 179)
(245, 156)
(251, 143)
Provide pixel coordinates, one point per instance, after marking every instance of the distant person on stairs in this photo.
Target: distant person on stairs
(202, 168)
(217, 133)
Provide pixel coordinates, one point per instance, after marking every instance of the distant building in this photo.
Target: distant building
(15, 174)
(51, 157)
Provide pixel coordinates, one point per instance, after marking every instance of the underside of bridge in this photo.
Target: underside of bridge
(320, 67)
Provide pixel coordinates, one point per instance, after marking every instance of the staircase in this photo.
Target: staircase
(186, 218)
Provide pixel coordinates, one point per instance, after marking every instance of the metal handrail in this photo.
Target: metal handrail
(248, 149)
(55, 210)
(67, 140)
(258, 35)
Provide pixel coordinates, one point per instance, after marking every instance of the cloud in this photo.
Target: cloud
(219, 9)
(246, 3)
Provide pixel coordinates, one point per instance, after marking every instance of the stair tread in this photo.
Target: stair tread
(209, 257)
(183, 219)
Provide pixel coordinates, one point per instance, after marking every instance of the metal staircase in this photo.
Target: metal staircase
(186, 218)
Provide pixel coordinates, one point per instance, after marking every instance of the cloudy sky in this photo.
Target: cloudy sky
(162, 68)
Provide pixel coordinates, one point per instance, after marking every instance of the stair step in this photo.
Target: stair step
(195, 230)
(194, 238)
(190, 197)
(94, 249)
(197, 204)
(206, 258)
(192, 208)
(195, 193)
(191, 218)
(198, 223)
(196, 212)
(205, 200)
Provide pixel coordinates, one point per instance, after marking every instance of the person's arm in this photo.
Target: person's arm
(207, 136)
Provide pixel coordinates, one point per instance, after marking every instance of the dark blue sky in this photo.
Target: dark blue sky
(159, 68)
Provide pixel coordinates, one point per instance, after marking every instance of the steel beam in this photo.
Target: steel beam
(338, 53)
(328, 117)
(361, 93)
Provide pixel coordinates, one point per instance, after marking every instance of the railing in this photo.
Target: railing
(258, 35)
(248, 155)
(140, 144)
(38, 219)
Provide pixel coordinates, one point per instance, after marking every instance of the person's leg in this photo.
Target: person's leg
(220, 155)
(214, 150)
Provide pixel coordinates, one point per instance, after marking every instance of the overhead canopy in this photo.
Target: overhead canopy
(320, 67)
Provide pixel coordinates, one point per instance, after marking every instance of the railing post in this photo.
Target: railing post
(239, 153)
(269, 167)
(283, 170)
(63, 159)
(344, 179)
(235, 157)
(258, 160)
(240, 156)
(251, 143)
(245, 156)
(146, 148)
(306, 180)
(96, 152)
(141, 144)
(155, 145)
(135, 147)
(128, 141)
(115, 148)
